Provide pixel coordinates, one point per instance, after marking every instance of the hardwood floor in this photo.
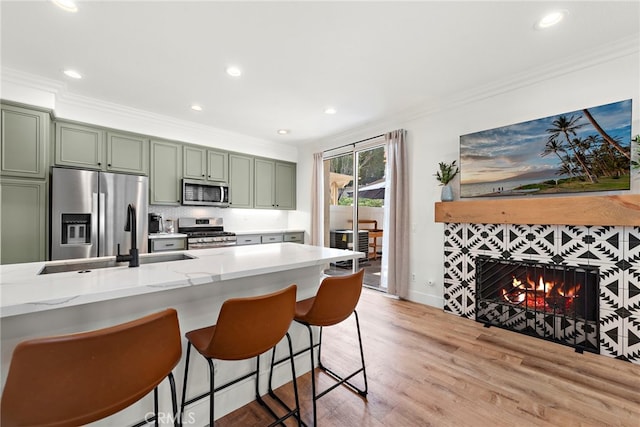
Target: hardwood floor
(429, 368)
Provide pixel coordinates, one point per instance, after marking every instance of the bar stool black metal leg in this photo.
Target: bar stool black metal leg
(155, 405)
(212, 389)
(184, 383)
(295, 382)
(174, 400)
(313, 376)
(364, 370)
(320, 365)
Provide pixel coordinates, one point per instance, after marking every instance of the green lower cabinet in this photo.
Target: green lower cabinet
(23, 214)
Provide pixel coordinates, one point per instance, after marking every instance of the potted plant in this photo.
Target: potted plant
(445, 175)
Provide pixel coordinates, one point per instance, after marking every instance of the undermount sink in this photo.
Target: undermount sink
(85, 266)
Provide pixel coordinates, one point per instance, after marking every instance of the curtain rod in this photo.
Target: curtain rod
(354, 143)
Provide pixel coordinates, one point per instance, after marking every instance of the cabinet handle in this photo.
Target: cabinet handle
(109, 164)
(99, 164)
(170, 244)
(202, 174)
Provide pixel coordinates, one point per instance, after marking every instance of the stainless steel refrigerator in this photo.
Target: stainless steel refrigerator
(89, 213)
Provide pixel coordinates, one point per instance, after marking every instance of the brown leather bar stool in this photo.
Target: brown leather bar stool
(334, 302)
(246, 328)
(72, 380)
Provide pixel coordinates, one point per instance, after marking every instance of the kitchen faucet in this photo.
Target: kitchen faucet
(130, 226)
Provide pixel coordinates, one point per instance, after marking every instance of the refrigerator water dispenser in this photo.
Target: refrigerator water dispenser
(76, 229)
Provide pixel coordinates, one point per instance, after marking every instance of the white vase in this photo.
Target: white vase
(447, 193)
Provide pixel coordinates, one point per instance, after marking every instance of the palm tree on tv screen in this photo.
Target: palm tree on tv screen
(568, 127)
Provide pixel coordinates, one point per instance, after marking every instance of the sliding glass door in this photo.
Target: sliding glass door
(356, 214)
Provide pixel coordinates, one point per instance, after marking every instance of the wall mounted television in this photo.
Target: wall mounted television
(573, 152)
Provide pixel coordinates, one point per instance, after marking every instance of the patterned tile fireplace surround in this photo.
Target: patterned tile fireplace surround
(615, 250)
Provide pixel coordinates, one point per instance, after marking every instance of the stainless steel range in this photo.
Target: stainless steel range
(204, 233)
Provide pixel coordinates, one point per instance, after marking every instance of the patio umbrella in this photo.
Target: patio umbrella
(336, 182)
(372, 191)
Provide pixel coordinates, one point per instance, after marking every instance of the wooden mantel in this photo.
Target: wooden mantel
(576, 210)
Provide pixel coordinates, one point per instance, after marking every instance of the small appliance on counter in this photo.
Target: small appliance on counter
(156, 224)
(204, 233)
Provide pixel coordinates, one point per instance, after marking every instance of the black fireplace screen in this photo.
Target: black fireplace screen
(554, 302)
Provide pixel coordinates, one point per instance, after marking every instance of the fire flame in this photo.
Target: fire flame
(543, 295)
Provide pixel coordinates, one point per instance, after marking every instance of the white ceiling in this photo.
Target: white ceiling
(369, 60)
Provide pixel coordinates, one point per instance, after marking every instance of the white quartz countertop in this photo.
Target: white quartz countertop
(247, 232)
(153, 236)
(23, 290)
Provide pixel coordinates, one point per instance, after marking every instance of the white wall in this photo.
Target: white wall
(434, 137)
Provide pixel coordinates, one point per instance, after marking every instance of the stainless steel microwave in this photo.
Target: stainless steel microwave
(205, 193)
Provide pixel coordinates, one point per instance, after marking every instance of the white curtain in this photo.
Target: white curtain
(317, 201)
(395, 239)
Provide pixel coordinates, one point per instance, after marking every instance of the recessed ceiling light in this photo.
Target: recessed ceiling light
(330, 110)
(551, 19)
(234, 71)
(283, 131)
(73, 74)
(68, 5)
(196, 107)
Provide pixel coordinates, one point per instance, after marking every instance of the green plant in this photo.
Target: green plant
(636, 163)
(447, 172)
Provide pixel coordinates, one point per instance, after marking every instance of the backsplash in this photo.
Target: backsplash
(235, 220)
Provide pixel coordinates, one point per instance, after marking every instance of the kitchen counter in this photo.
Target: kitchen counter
(244, 232)
(35, 305)
(153, 236)
(24, 291)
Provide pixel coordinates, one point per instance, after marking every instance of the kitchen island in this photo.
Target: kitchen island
(33, 305)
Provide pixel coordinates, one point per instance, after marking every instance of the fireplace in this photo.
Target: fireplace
(615, 251)
(554, 302)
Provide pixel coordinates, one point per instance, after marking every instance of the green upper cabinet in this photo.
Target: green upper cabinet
(217, 166)
(285, 185)
(274, 184)
(24, 142)
(90, 147)
(240, 181)
(195, 162)
(127, 153)
(165, 173)
(23, 233)
(264, 184)
(79, 146)
(200, 163)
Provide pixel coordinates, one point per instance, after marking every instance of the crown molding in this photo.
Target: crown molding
(618, 49)
(32, 81)
(67, 100)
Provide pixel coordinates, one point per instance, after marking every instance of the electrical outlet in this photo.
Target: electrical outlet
(413, 277)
